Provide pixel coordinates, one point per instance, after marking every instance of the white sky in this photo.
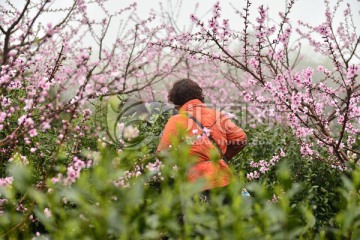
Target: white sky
(309, 11)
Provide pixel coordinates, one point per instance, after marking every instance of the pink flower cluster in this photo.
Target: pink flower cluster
(6, 182)
(263, 166)
(274, 199)
(50, 72)
(339, 167)
(72, 172)
(261, 28)
(284, 38)
(47, 213)
(154, 168)
(18, 158)
(306, 149)
(124, 181)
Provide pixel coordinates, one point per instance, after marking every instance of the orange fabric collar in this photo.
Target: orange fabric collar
(190, 104)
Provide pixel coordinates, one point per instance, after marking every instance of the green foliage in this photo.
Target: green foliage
(94, 208)
(319, 181)
(48, 147)
(263, 143)
(312, 200)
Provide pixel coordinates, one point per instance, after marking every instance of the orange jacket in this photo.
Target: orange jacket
(223, 131)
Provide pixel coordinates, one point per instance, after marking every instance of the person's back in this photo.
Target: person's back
(201, 124)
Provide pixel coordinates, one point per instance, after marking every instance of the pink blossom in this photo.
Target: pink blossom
(5, 102)
(88, 163)
(130, 132)
(321, 68)
(72, 174)
(274, 199)
(193, 18)
(253, 175)
(206, 131)
(254, 164)
(33, 132)
(306, 150)
(2, 116)
(247, 97)
(28, 122)
(21, 119)
(6, 182)
(45, 126)
(47, 213)
(323, 30)
(154, 167)
(282, 153)
(264, 169)
(57, 179)
(54, 180)
(254, 62)
(28, 104)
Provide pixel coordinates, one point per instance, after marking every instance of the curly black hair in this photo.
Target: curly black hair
(185, 90)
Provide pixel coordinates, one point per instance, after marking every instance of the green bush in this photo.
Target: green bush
(320, 183)
(120, 197)
(94, 208)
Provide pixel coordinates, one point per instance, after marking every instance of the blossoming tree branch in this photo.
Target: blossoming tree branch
(322, 104)
(54, 75)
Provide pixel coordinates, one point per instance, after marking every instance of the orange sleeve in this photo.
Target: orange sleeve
(234, 134)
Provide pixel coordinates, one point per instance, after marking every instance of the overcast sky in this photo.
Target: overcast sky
(309, 11)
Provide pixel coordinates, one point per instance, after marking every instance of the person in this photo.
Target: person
(212, 130)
